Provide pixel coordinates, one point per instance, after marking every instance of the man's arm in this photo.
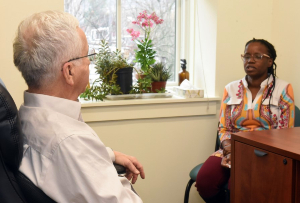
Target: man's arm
(82, 171)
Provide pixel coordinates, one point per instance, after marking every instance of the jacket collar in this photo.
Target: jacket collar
(266, 82)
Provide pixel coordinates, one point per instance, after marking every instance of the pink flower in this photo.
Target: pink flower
(142, 15)
(145, 23)
(155, 18)
(160, 21)
(151, 24)
(129, 30)
(134, 35)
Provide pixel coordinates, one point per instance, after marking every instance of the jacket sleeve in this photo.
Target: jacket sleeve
(287, 108)
(225, 124)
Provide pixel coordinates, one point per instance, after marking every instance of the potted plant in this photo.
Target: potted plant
(159, 75)
(143, 85)
(115, 74)
(145, 54)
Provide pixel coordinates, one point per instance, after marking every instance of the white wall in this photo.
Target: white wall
(238, 22)
(168, 148)
(274, 20)
(285, 34)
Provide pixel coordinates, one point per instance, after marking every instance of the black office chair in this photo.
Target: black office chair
(195, 170)
(15, 187)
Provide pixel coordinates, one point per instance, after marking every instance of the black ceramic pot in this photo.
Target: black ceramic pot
(124, 79)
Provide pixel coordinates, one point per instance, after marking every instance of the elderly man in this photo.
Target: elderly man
(62, 155)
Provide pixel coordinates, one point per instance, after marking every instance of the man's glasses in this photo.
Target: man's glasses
(91, 55)
(256, 57)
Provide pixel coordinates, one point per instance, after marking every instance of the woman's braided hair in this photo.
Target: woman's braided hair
(271, 69)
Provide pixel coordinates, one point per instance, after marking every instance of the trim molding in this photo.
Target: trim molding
(148, 108)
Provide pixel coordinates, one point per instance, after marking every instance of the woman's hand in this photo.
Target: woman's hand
(226, 161)
(226, 146)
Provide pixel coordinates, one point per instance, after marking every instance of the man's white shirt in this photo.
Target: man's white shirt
(64, 157)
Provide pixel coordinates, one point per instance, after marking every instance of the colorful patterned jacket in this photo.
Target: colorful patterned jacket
(239, 113)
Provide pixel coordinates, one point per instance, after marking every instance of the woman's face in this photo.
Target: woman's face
(257, 68)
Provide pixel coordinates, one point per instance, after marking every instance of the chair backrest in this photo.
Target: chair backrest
(15, 187)
(11, 149)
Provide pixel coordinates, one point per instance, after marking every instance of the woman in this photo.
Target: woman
(259, 101)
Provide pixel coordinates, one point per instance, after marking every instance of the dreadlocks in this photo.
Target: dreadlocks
(271, 69)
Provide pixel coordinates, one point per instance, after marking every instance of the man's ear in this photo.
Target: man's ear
(67, 71)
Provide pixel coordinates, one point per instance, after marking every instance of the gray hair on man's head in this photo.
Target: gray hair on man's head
(43, 43)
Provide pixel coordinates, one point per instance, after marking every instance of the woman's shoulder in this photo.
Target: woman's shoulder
(234, 91)
(281, 86)
(234, 86)
(280, 82)
(235, 83)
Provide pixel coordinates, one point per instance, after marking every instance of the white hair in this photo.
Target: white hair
(43, 43)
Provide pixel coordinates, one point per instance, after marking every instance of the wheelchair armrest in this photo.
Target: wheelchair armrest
(120, 169)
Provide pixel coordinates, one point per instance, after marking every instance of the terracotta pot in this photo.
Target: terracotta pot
(158, 86)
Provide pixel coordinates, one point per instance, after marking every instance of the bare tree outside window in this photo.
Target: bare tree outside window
(98, 19)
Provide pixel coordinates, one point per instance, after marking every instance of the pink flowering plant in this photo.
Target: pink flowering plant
(145, 54)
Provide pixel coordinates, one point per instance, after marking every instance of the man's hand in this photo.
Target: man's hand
(133, 167)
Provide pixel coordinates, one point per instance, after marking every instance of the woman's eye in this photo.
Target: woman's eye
(257, 56)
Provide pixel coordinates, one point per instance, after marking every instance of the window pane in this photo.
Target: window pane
(97, 18)
(163, 35)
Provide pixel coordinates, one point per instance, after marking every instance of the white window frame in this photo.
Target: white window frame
(199, 42)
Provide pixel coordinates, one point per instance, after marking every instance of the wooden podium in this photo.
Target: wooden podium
(265, 166)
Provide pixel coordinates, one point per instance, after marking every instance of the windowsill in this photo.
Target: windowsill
(174, 99)
(113, 110)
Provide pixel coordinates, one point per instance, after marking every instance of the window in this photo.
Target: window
(109, 20)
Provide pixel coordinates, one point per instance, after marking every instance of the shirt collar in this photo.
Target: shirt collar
(64, 106)
(263, 84)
